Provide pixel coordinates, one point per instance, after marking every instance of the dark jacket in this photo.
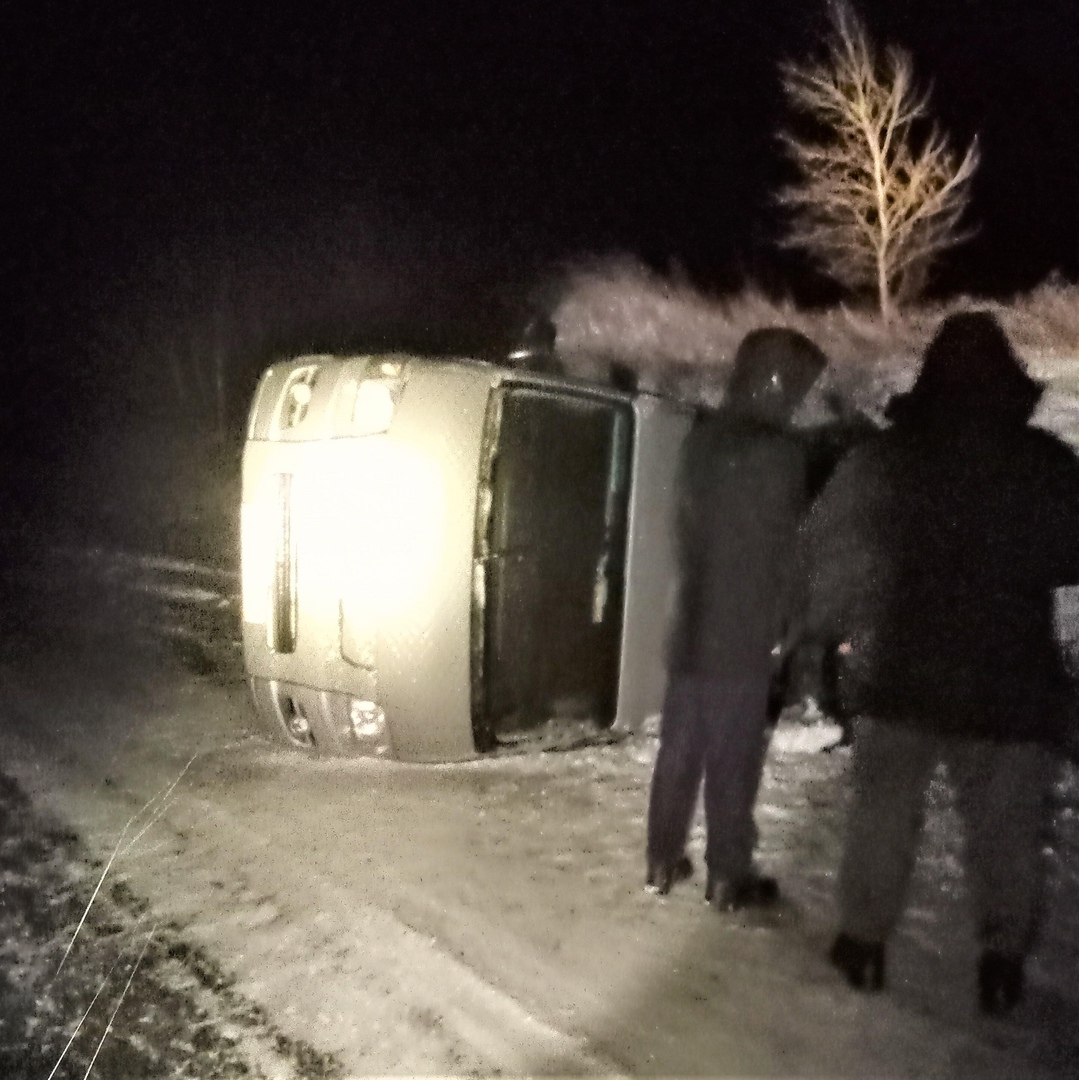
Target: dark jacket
(935, 547)
(742, 496)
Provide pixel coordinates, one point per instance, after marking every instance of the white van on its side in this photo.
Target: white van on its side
(443, 557)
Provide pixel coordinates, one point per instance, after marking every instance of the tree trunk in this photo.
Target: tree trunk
(884, 290)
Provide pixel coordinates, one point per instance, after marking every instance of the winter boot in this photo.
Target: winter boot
(861, 962)
(1000, 982)
(753, 890)
(662, 875)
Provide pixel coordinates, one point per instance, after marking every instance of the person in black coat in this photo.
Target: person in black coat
(742, 495)
(933, 553)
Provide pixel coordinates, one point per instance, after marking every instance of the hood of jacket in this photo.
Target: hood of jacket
(969, 371)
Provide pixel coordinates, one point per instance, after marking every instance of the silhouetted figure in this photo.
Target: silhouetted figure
(934, 550)
(537, 348)
(743, 491)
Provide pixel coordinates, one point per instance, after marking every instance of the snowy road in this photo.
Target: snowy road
(486, 916)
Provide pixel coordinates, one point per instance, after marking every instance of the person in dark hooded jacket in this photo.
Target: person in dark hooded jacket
(742, 495)
(933, 553)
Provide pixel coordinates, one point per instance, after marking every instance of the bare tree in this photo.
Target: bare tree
(880, 192)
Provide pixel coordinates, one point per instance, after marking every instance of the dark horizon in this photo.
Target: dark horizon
(449, 157)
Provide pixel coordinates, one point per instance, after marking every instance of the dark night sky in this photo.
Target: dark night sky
(485, 139)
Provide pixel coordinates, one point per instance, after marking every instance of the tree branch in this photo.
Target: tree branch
(869, 206)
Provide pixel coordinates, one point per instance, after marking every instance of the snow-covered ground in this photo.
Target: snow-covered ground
(486, 916)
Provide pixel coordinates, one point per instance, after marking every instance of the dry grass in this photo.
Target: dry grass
(681, 341)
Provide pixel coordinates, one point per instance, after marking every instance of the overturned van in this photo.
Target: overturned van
(441, 558)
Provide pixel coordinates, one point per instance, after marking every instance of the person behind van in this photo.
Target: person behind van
(933, 552)
(805, 676)
(742, 494)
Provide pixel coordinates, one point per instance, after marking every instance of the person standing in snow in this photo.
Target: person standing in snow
(933, 552)
(742, 495)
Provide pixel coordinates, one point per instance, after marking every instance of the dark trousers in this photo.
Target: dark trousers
(1002, 795)
(715, 728)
